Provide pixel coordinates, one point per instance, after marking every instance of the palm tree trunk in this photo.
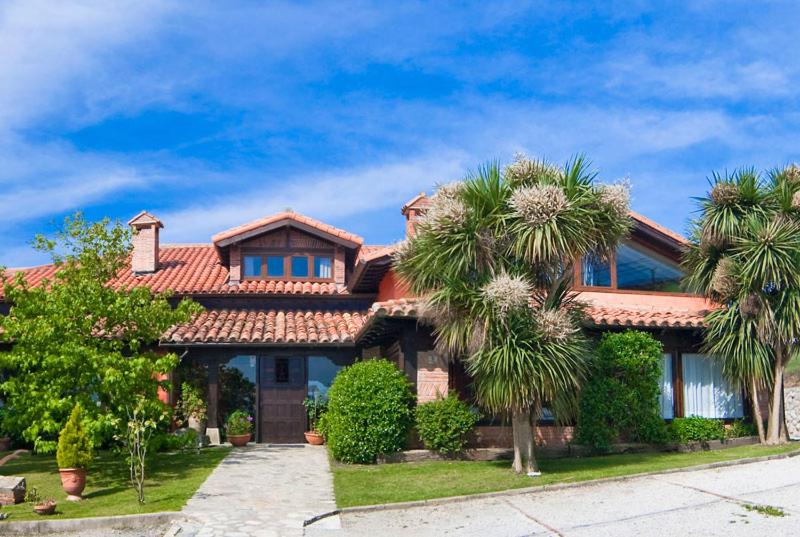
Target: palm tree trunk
(775, 432)
(757, 417)
(522, 425)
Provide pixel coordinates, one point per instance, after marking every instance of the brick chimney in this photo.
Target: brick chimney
(412, 210)
(145, 242)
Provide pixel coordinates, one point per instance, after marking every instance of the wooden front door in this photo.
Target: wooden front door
(283, 389)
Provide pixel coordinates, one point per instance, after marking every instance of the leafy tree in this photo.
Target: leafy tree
(745, 254)
(493, 260)
(79, 339)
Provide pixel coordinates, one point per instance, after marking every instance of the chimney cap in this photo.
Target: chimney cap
(144, 219)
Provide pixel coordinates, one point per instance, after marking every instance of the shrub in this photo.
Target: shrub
(238, 423)
(444, 425)
(191, 403)
(178, 441)
(74, 446)
(370, 411)
(739, 428)
(696, 429)
(620, 399)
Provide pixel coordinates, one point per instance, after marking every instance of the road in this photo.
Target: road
(703, 502)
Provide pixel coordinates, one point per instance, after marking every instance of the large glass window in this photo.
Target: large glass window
(300, 266)
(641, 270)
(274, 265)
(237, 386)
(595, 272)
(321, 372)
(322, 267)
(252, 266)
(706, 392)
(666, 398)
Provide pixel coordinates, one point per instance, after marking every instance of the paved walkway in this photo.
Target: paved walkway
(262, 491)
(702, 502)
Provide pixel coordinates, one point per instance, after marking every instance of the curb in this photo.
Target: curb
(43, 527)
(541, 488)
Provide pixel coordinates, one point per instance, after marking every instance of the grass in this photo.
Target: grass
(792, 373)
(389, 483)
(766, 510)
(171, 480)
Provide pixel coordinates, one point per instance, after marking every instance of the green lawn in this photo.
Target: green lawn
(388, 483)
(793, 372)
(172, 479)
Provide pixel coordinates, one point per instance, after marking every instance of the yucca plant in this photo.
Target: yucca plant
(744, 253)
(492, 259)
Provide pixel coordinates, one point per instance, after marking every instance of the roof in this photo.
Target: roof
(262, 225)
(144, 219)
(417, 202)
(603, 309)
(197, 270)
(272, 326)
(666, 232)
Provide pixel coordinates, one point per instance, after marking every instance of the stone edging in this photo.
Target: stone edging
(541, 488)
(45, 526)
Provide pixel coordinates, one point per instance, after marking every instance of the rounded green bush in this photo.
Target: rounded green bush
(696, 429)
(620, 399)
(444, 425)
(74, 445)
(370, 411)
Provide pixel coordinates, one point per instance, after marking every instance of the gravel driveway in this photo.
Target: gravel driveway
(702, 502)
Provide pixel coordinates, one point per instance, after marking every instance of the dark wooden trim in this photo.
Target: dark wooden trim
(677, 383)
(287, 254)
(213, 393)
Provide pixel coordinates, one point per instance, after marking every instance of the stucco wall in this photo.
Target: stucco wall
(792, 401)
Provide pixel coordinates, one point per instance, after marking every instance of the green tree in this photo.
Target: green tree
(493, 260)
(78, 339)
(745, 255)
(74, 445)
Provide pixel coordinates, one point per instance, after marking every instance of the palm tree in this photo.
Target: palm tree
(745, 254)
(492, 258)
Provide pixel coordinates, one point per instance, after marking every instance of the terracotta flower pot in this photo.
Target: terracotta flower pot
(74, 481)
(45, 508)
(239, 440)
(314, 438)
(5, 443)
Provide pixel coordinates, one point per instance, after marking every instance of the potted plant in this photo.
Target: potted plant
(41, 506)
(5, 438)
(74, 455)
(315, 407)
(192, 408)
(239, 428)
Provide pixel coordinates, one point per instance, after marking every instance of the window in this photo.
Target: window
(275, 265)
(322, 267)
(281, 370)
(237, 386)
(667, 396)
(706, 393)
(640, 270)
(321, 372)
(300, 266)
(252, 266)
(595, 272)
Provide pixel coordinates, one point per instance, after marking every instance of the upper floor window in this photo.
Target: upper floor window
(294, 266)
(641, 270)
(633, 267)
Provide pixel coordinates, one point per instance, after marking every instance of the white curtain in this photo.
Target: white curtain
(667, 397)
(323, 267)
(706, 393)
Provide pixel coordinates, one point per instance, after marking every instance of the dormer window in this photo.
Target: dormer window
(275, 266)
(294, 266)
(323, 267)
(252, 266)
(299, 266)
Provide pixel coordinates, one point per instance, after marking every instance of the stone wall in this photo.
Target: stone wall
(792, 402)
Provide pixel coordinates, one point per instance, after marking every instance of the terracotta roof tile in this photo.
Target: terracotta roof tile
(302, 327)
(196, 270)
(287, 215)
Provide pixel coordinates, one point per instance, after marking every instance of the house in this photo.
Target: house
(290, 300)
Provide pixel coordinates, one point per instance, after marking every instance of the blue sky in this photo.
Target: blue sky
(211, 114)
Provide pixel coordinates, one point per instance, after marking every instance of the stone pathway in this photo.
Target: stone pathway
(262, 491)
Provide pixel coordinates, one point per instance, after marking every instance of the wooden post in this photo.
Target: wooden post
(213, 393)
